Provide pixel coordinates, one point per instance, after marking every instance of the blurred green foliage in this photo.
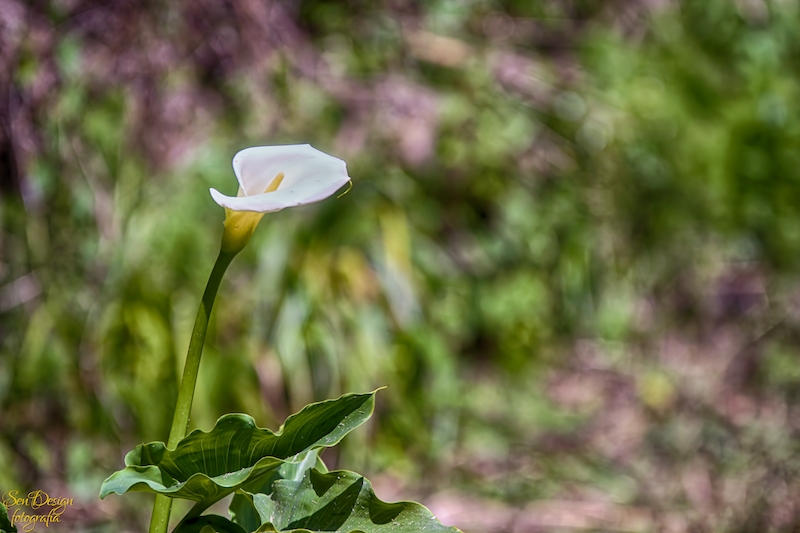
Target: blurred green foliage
(571, 249)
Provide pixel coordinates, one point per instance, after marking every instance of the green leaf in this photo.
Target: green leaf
(5, 522)
(242, 509)
(208, 524)
(206, 467)
(339, 501)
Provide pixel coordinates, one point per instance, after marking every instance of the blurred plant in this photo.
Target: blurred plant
(5, 522)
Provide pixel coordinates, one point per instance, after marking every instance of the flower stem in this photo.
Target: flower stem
(180, 419)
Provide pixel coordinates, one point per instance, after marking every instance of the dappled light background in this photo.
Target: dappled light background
(571, 249)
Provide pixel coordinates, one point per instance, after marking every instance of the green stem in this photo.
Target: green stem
(180, 420)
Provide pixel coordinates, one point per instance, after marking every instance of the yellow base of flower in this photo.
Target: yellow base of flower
(239, 227)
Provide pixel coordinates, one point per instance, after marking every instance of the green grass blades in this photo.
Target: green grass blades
(207, 466)
(339, 501)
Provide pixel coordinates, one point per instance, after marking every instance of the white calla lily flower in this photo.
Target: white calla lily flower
(272, 178)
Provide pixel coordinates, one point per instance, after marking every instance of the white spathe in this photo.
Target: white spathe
(309, 176)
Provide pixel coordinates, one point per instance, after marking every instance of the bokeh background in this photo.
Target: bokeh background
(571, 249)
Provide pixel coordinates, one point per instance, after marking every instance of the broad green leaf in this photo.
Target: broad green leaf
(208, 524)
(341, 502)
(5, 522)
(242, 509)
(206, 467)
